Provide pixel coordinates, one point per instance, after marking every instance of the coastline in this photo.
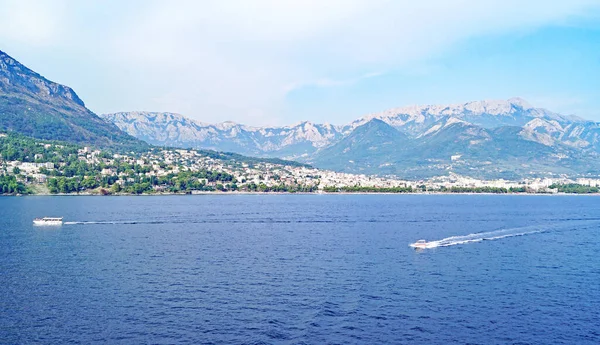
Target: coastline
(198, 193)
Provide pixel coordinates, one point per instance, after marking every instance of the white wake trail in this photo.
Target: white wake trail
(498, 234)
(478, 237)
(107, 222)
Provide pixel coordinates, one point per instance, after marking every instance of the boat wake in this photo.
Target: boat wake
(492, 235)
(212, 221)
(478, 237)
(114, 222)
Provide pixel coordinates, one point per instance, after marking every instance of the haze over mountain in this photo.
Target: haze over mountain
(491, 138)
(171, 129)
(35, 106)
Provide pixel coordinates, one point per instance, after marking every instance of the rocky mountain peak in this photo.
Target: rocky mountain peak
(226, 125)
(37, 107)
(518, 101)
(15, 77)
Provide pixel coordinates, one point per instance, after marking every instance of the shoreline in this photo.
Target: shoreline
(199, 193)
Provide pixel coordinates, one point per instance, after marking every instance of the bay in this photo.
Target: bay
(301, 269)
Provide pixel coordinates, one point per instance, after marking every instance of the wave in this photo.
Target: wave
(496, 235)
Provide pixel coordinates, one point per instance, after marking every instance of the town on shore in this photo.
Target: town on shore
(32, 166)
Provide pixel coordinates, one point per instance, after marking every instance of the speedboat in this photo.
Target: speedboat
(48, 221)
(420, 244)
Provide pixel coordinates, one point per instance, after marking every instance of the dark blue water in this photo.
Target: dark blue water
(300, 269)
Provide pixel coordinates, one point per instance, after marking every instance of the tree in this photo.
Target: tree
(89, 182)
(263, 187)
(115, 188)
(10, 185)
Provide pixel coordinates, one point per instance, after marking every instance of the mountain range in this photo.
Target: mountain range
(170, 129)
(491, 138)
(37, 107)
(485, 139)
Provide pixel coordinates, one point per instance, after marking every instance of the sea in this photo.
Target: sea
(301, 269)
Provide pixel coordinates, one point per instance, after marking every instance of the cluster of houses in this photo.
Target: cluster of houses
(26, 169)
(161, 163)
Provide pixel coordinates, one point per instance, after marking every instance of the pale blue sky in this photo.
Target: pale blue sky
(279, 62)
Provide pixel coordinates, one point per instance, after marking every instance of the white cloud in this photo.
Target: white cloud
(328, 82)
(34, 22)
(220, 60)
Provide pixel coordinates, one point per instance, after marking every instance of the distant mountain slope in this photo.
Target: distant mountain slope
(487, 114)
(461, 148)
(366, 148)
(34, 106)
(176, 130)
(492, 138)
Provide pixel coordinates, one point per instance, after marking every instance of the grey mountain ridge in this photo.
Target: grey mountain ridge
(175, 129)
(171, 129)
(494, 138)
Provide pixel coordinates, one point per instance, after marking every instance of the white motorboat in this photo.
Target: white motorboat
(54, 221)
(420, 244)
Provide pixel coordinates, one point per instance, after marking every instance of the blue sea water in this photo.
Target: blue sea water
(301, 269)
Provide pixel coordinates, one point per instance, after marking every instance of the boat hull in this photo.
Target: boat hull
(419, 246)
(47, 223)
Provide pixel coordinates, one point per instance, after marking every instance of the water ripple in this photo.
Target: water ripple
(300, 270)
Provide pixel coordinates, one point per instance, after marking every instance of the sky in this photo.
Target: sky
(269, 62)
